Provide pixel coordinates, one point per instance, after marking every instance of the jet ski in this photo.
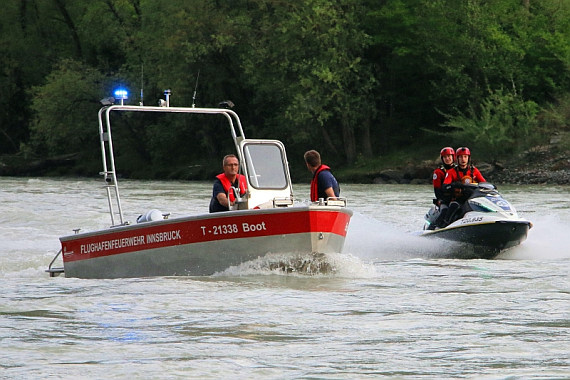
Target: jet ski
(484, 225)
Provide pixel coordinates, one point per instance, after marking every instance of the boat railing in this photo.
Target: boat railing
(109, 172)
(54, 271)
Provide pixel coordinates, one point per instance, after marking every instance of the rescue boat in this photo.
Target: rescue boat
(266, 222)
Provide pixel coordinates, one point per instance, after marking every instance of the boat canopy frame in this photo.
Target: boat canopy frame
(276, 197)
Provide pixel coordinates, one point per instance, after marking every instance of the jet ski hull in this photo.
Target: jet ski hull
(482, 240)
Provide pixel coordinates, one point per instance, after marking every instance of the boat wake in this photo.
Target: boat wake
(314, 264)
(373, 240)
(548, 240)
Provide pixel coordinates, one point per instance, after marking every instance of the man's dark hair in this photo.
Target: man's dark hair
(313, 158)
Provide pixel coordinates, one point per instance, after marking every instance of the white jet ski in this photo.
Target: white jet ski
(486, 224)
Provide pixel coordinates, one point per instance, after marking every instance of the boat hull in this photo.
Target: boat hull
(205, 244)
(482, 240)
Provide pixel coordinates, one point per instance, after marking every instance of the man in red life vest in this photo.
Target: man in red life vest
(447, 156)
(463, 173)
(324, 184)
(225, 184)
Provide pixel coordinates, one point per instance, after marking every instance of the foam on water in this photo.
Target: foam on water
(548, 239)
(323, 265)
(373, 239)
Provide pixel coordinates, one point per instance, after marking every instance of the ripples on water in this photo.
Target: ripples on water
(389, 310)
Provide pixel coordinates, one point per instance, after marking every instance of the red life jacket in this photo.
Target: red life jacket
(242, 183)
(315, 183)
(468, 175)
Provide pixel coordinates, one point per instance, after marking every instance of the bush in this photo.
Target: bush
(502, 124)
(65, 108)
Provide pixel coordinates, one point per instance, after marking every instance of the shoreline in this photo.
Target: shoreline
(539, 165)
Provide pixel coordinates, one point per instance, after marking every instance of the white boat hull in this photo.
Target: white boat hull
(205, 244)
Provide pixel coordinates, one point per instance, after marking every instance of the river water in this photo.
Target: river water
(390, 310)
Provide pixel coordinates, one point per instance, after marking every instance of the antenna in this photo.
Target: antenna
(142, 83)
(195, 88)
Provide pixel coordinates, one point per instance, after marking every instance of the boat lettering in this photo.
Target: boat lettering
(112, 244)
(472, 220)
(253, 227)
(225, 229)
(129, 242)
(163, 236)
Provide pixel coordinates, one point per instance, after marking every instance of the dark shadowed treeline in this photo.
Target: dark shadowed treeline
(354, 79)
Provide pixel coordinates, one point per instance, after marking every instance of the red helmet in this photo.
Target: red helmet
(447, 150)
(463, 150)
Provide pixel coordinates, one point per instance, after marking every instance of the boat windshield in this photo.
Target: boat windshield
(265, 165)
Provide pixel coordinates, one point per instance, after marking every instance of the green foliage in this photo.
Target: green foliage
(554, 122)
(64, 109)
(445, 54)
(354, 79)
(308, 62)
(500, 124)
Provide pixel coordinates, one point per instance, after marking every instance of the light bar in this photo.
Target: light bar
(121, 93)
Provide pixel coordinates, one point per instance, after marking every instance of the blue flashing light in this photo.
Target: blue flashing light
(121, 93)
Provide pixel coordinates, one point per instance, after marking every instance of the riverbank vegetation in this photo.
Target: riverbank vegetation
(367, 83)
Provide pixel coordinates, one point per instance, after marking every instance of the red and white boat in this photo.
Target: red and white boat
(266, 222)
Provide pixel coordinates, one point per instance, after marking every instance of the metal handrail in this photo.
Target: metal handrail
(54, 271)
(109, 172)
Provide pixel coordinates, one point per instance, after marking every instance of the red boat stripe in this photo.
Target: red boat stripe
(203, 230)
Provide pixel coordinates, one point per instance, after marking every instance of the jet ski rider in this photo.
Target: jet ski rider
(447, 156)
(463, 173)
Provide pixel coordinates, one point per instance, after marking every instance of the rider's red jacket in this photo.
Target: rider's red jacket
(468, 175)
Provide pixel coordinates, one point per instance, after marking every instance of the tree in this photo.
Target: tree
(306, 60)
(500, 124)
(351, 78)
(446, 55)
(65, 108)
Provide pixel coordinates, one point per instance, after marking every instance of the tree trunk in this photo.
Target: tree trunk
(349, 141)
(366, 140)
(328, 141)
(71, 26)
